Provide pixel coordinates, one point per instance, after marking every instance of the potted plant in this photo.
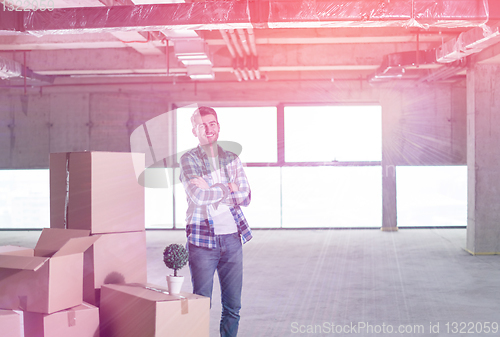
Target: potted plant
(175, 257)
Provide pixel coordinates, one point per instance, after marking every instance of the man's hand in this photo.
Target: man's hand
(200, 183)
(233, 187)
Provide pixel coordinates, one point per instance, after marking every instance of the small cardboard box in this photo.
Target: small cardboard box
(97, 191)
(79, 321)
(147, 310)
(10, 323)
(114, 258)
(52, 279)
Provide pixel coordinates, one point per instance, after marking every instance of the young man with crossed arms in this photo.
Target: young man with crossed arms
(216, 186)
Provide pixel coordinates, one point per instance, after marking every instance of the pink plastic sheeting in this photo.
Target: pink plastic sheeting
(378, 13)
(196, 15)
(208, 15)
(9, 68)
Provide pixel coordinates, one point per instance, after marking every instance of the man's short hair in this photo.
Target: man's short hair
(203, 111)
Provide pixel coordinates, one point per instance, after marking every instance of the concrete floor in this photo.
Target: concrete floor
(364, 282)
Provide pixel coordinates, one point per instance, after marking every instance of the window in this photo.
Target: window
(24, 199)
(431, 195)
(332, 196)
(333, 133)
(254, 128)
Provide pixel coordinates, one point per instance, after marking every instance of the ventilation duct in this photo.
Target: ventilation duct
(404, 64)
(233, 14)
(468, 43)
(446, 72)
(451, 53)
(192, 51)
(10, 69)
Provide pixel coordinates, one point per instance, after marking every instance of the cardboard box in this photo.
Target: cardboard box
(114, 258)
(79, 321)
(147, 310)
(97, 191)
(52, 279)
(10, 323)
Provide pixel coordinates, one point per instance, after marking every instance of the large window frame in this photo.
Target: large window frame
(281, 160)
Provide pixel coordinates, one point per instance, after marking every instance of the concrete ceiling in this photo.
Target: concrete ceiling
(77, 40)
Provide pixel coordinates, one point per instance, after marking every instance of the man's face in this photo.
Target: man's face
(206, 129)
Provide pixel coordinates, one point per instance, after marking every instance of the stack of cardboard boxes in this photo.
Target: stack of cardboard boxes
(88, 273)
(98, 191)
(46, 282)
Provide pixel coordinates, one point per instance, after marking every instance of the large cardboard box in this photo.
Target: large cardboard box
(16, 250)
(10, 323)
(114, 258)
(97, 191)
(147, 310)
(52, 279)
(79, 321)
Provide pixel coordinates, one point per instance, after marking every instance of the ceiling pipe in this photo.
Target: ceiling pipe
(238, 75)
(241, 61)
(226, 39)
(236, 45)
(248, 60)
(248, 68)
(230, 47)
(251, 40)
(241, 67)
(244, 41)
(253, 49)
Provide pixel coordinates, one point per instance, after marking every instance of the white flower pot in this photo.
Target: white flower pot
(174, 284)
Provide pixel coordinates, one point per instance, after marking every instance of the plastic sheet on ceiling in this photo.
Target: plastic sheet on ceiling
(210, 15)
(376, 13)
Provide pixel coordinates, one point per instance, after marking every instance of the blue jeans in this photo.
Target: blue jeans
(227, 259)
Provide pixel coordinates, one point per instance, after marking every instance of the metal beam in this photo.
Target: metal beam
(271, 58)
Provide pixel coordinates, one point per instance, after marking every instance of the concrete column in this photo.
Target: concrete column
(391, 111)
(483, 158)
(389, 205)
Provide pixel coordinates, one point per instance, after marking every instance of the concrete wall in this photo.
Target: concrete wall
(34, 125)
(422, 125)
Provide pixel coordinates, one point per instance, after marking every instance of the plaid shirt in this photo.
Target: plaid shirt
(200, 226)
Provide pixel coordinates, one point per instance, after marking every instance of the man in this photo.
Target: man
(216, 186)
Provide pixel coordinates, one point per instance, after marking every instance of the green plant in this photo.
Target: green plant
(175, 257)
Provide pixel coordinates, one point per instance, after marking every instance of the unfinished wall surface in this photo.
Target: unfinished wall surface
(483, 157)
(34, 125)
(422, 125)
